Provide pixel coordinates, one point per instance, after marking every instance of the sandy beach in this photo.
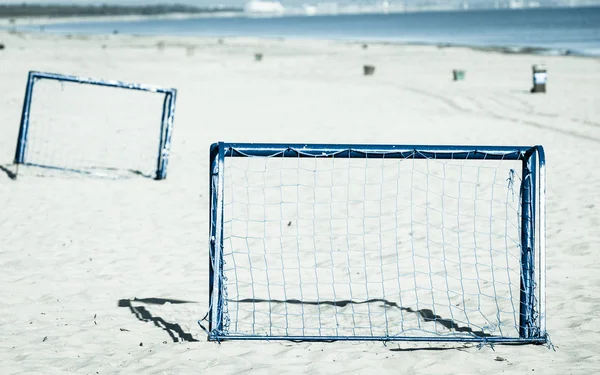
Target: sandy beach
(75, 252)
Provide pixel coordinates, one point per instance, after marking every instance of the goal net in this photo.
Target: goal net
(107, 128)
(355, 242)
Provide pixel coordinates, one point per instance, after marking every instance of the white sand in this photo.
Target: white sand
(72, 248)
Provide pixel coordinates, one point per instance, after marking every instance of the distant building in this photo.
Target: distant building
(264, 7)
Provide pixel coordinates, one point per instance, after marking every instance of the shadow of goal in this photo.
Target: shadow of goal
(377, 242)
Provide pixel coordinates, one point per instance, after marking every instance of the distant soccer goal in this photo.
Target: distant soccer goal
(95, 127)
(366, 242)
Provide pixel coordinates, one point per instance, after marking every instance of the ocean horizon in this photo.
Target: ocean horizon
(554, 31)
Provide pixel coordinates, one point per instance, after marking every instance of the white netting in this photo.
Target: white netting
(371, 247)
(92, 129)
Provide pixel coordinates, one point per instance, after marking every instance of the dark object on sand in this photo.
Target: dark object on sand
(258, 56)
(369, 70)
(458, 75)
(115, 32)
(365, 46)
(540, 76)
(1, 46)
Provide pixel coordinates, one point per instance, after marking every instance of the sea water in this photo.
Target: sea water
(550, 31)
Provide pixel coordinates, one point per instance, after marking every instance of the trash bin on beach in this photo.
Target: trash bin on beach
(258, 56)
(458, 75)
(369, 70)
(540, 75)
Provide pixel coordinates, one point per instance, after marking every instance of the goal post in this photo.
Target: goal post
(377, 242)
(63, 143)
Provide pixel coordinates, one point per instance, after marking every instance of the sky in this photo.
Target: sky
(125, 2)
(240, 3)
(199, 3)
(111, 2)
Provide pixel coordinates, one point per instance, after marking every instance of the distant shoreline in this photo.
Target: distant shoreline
(508, 50)
(51, 14)
(21, 11)
(14, 15)
(6, 23)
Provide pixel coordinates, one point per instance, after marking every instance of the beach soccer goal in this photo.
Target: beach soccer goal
(371, 242)
(95, 127)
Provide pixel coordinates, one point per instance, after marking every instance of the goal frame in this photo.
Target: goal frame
(532, 299)
(166, 127)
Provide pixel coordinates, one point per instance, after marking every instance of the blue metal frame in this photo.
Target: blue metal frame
(527, 246)
(532, 324)
(216, 238)
(168, 114)
(374, 151)
(213, 336)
